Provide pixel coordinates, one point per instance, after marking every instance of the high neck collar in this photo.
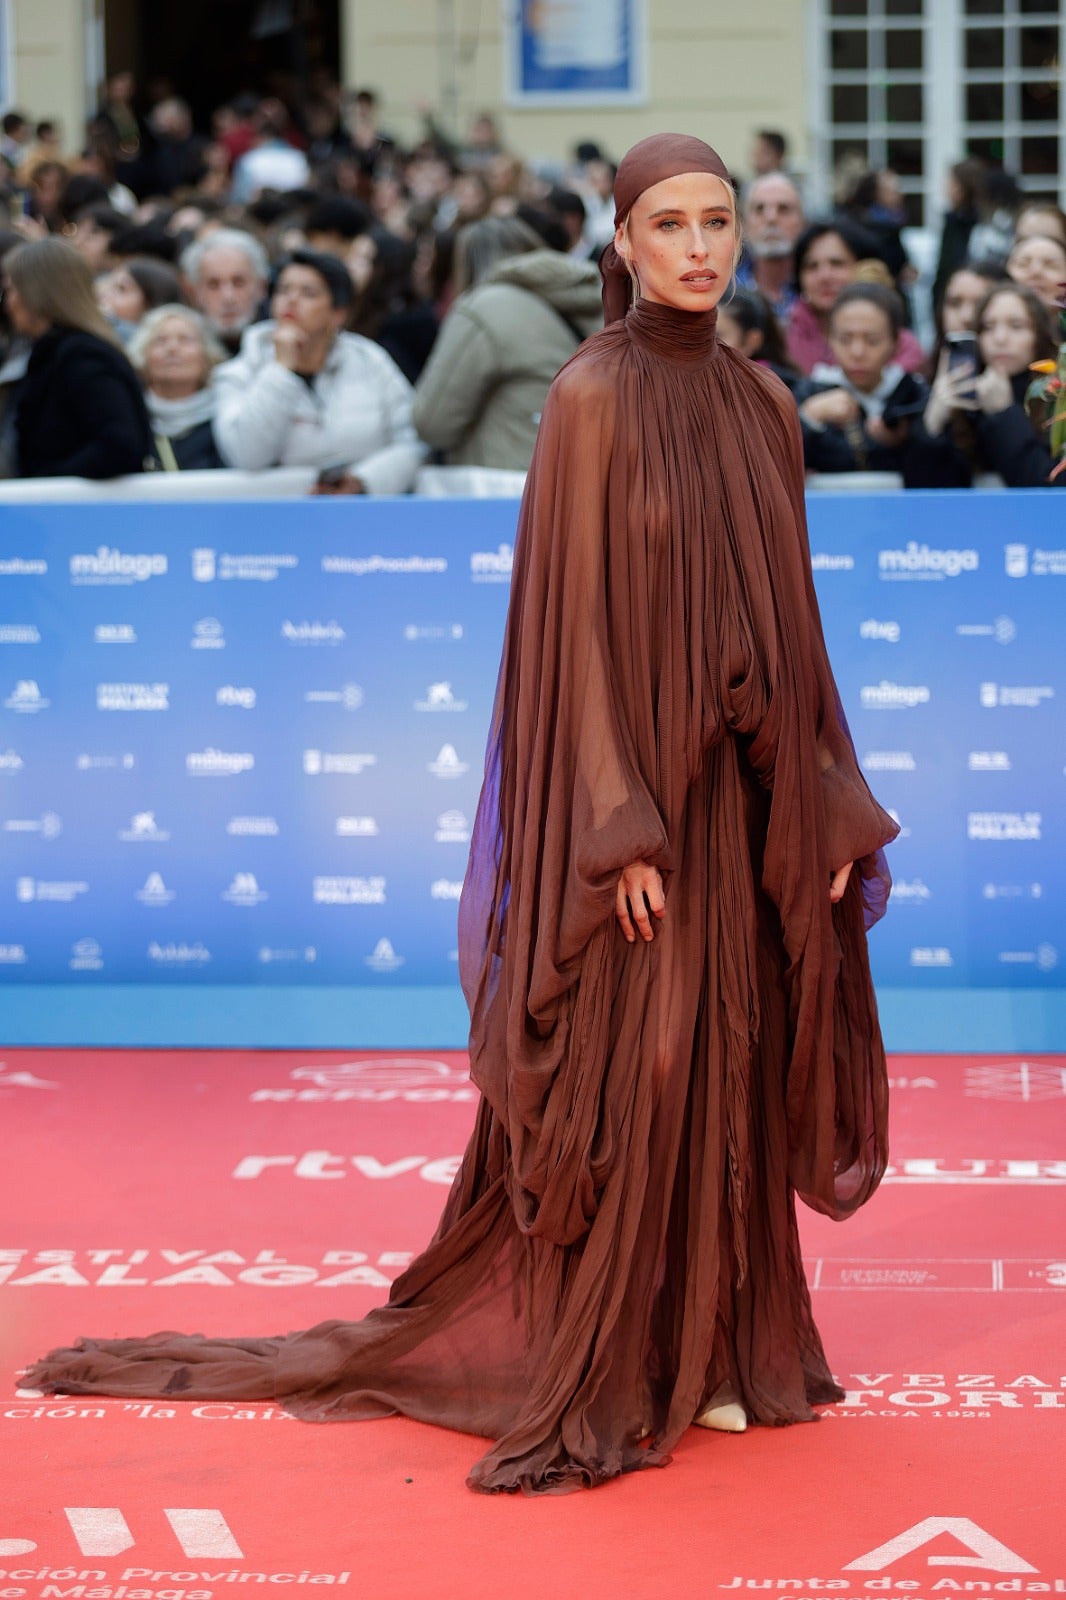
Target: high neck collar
(687, 337)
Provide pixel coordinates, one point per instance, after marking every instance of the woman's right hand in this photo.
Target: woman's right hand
(834, 408)
(640, 897)
(290, 345)
(952, 390)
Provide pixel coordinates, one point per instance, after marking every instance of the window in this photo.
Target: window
(918, 84)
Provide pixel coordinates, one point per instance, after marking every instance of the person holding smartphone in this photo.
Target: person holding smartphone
(975, 420)
(303, 392)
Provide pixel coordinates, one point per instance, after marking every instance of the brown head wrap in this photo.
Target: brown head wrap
(662, 156)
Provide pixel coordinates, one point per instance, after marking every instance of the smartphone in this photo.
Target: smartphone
(962, 357)
(962, 351)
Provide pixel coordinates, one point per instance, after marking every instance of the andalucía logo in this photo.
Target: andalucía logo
(939, 1543)
(447, 763)
(383, 958)
(155, 891)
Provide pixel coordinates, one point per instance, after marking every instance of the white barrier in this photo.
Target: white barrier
(277, 483)
(291, 483)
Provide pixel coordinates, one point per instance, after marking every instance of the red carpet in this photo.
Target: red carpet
(255, 1193)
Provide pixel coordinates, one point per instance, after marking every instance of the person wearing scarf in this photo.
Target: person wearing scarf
(176, 353)
(662, 933)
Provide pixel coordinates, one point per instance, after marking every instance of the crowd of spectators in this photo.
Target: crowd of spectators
(300, 290)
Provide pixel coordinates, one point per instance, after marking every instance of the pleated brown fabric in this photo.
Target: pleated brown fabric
(620, 1246)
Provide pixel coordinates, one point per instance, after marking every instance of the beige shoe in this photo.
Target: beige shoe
(730, 1418)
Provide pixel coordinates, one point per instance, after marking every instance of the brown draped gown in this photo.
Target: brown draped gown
(620, 1245)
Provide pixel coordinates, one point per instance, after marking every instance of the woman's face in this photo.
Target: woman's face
(362, 253)
(119, 294)
(964, 293)
(1005, 339)
(681, 241)
(175, 364)
(22, 319)
(1039, 264)
(302, 297)
(828, 267)
(863, 342)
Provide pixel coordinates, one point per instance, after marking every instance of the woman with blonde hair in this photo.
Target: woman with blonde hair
(661, 935)
(175, 353)
(80, 411)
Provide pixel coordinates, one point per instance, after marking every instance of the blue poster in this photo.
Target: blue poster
(579, 52)
(242, 744)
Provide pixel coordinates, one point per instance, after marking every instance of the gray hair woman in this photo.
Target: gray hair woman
(175, 352)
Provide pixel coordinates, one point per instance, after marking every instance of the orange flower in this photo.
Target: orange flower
(1042, 366)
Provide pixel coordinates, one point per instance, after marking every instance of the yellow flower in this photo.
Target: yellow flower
(1042, 366)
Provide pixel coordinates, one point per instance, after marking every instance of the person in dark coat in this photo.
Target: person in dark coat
(975, 420)
(858, 411)
(81, 413)
(175, 353)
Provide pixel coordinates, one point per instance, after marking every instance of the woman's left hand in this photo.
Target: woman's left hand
(994, 392)
(839, 882)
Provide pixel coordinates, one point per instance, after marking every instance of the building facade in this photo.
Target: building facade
(911, 84)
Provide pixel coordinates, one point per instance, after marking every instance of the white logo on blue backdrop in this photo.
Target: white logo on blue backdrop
(26, 697)
(439, 697)
(384, 957)
(144, 829)
(155, 891)
(447, 763)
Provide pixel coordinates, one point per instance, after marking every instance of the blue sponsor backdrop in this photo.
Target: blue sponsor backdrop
(241, 744)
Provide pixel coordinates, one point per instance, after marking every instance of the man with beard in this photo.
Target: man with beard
(773, 221)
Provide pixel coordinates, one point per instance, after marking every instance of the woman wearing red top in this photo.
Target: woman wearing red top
(827, 256)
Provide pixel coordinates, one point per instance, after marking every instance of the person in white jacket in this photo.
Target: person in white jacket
(303, 393)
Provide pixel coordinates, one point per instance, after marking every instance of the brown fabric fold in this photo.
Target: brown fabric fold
(620, 1246)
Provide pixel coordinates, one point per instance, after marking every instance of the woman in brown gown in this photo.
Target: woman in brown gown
(662, 943)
